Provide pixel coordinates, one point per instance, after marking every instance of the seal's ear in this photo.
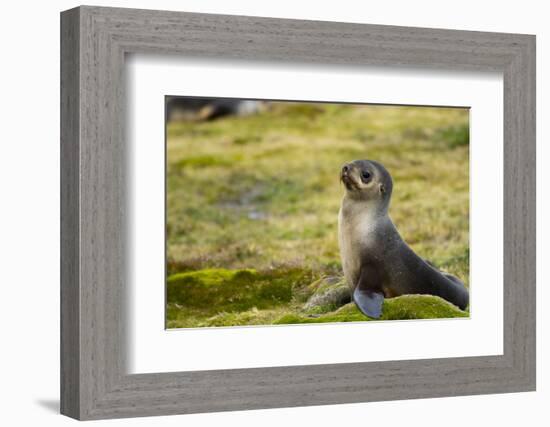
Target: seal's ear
(382, 188)
(369, 302)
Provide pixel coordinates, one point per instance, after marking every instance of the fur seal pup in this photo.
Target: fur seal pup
(377, 262)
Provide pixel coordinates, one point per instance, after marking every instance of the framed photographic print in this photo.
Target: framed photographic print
(262, 213)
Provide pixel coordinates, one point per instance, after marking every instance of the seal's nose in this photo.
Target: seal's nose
(345, 169)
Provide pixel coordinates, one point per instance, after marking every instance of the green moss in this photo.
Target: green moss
(405, 307)
(219, 297)
(214, 291)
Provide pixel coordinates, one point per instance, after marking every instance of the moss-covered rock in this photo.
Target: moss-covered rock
(220, 297)
(214, 291)
(404, 307)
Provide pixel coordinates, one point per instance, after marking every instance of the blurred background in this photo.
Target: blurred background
(253, 194)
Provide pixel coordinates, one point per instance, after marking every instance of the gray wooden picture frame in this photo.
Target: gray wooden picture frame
(94, 42)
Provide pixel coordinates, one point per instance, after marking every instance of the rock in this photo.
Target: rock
(329, 293)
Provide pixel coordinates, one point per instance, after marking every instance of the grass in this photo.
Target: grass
(252, 206)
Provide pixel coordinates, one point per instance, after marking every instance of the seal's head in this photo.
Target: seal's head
(367, 180)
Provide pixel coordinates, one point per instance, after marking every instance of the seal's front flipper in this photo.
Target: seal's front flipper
(369, 302)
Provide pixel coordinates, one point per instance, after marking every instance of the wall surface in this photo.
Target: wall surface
(29, 225)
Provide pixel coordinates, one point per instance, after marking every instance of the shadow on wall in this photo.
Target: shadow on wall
(51, 405)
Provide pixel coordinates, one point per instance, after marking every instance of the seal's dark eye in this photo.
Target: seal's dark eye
(365, 175)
